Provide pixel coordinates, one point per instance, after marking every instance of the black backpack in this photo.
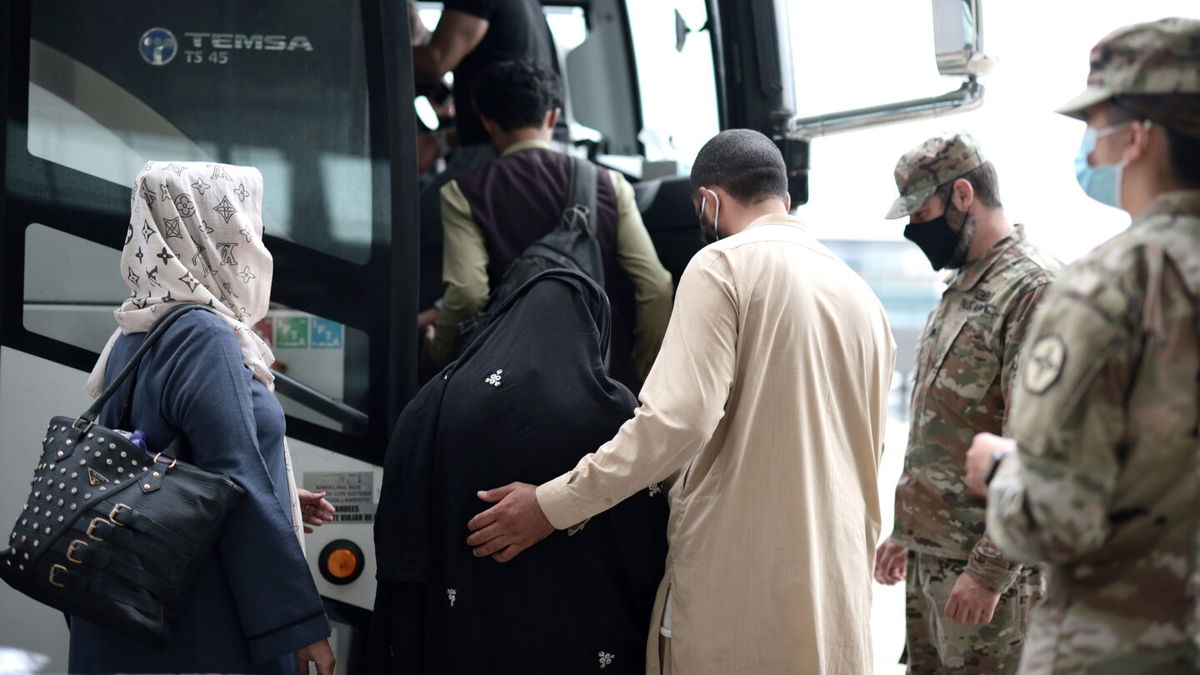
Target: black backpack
(573, 245)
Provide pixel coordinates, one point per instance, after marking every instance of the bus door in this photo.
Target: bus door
(316, 95)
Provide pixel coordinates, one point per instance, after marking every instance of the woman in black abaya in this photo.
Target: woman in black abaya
(525, 401)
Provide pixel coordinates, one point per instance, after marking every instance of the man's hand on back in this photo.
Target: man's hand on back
(511, 526)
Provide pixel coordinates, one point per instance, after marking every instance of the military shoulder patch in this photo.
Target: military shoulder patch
(1044, 364)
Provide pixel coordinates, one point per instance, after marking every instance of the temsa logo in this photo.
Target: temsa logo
(270, 43)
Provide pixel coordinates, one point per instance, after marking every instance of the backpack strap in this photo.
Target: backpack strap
(582, 281)
(581, 195)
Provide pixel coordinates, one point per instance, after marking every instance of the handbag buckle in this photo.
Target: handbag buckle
(71, 551)
(75, 425)
(174, 461)
(91, 529)
(116, 510)
(53, 570)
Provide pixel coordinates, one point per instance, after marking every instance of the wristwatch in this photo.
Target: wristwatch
(996, 460)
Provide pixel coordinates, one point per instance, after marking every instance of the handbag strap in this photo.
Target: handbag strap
(160, 326)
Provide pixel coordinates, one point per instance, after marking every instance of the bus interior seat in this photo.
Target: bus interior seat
(667, 210)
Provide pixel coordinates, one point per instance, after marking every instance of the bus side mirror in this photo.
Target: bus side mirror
(958, 38)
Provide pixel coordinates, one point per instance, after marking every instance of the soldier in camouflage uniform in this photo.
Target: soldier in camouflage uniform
(1103, 483)
(967, 606)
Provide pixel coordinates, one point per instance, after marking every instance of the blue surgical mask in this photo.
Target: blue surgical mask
(1102, 183)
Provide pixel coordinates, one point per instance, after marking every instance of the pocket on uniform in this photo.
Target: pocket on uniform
(966, 369)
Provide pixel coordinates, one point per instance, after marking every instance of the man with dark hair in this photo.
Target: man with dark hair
(537, 90)
(750, 171)
(1100, 478)
(967, 607)
(470, 36)
(492, 214)
(766, 405)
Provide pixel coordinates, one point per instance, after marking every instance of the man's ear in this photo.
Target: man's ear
(787, 202)
(552, 118)
(962, 194)
(490, 126)
(1141, 142)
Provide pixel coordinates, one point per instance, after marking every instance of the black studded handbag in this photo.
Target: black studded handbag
(113, 533)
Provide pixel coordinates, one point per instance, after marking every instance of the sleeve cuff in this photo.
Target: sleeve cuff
(990, 570)
(559, 504)
(289, 637)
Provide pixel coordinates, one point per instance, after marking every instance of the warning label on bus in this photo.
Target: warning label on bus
(349, 492)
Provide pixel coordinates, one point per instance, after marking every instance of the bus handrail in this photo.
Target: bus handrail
(967, 97)
(353, 421)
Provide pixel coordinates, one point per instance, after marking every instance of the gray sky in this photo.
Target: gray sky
(1042, 48)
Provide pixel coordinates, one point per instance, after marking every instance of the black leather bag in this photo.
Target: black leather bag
(112, 533)
(572, 245)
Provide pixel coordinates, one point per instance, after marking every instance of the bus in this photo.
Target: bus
(319, 96)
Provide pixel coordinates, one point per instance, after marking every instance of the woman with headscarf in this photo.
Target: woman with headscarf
(196, 236)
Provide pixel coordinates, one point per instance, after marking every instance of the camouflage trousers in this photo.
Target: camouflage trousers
(935, 644)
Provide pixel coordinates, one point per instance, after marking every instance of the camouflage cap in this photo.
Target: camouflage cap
(1157, 58)
(931, 164)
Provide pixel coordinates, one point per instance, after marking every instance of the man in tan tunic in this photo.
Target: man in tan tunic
(766, 405)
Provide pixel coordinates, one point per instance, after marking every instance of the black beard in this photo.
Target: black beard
(966, 233)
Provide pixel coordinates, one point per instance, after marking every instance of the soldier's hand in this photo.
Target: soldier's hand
(971, 603)
(891, 559)
(979, 460)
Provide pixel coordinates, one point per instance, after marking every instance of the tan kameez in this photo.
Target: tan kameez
(767, 406)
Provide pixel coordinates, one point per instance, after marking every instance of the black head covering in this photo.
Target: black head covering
(524, 402)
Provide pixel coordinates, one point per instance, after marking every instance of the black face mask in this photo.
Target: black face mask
(936, 240)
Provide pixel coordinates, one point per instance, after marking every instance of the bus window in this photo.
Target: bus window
(107, 113)
(70, 303)
(896, 64)
(292, 93)
(671, 73)
(325, 356)
(599, 75)
(74, 303)
(568, 25)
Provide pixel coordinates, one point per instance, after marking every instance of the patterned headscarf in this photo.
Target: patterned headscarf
(195, 235)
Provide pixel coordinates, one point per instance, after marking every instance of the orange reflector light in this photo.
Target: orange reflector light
(342, 563)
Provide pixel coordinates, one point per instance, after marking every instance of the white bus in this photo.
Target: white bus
(319, 96)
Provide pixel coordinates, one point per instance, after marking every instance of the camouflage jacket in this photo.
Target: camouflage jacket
(1105, 482)
(965, 368)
